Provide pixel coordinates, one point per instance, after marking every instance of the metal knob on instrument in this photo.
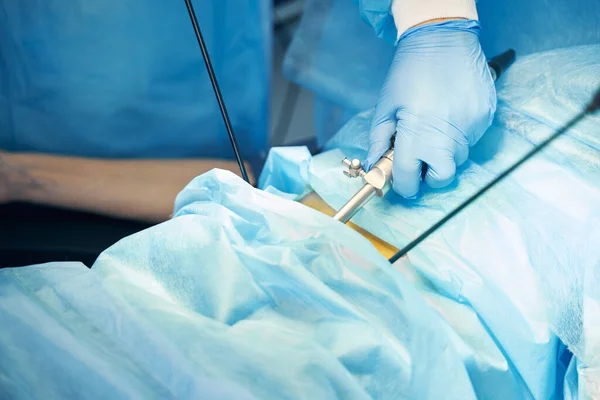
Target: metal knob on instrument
(354, 169)
(377, 183)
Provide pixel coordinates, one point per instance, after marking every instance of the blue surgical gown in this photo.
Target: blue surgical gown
(125, 78)
(359, 35)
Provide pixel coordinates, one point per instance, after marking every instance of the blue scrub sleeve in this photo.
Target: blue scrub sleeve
(377, 13)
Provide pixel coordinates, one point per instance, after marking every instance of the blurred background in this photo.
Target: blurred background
(31, 234)
(292, 116)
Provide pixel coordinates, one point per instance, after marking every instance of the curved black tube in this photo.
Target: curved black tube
(502, 62)
(215, 85)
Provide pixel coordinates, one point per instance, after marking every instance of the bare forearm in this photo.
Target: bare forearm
(137, 189)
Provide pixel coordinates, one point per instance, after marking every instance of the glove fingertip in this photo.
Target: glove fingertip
(407, 185)
(375, 153)
(441, 175)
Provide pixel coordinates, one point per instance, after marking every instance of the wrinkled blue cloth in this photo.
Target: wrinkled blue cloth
(125, 78)
(244, 294)
(240, 290)
(524, 258)
(342, 49)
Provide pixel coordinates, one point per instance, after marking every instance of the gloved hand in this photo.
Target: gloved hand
(439, 98)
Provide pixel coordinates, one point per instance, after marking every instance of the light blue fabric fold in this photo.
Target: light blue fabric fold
(524, 258)
(241, 287)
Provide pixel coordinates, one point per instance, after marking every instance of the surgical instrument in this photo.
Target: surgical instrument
(379, 179)
(217, 90)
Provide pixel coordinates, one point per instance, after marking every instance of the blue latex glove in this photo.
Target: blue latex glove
(439, 98)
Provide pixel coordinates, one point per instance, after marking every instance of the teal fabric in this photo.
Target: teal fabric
(127, 79)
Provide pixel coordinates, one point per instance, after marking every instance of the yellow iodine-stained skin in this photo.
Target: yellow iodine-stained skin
(314, 201)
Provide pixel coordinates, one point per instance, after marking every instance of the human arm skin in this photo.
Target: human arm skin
(143, 190)
(436, 20)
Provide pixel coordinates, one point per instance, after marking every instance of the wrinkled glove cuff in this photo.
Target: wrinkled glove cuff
(408, 13)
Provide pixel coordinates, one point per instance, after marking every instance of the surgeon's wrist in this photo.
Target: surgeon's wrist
(9, 178)
(20, 182)
(5, 181)
(434, 21)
